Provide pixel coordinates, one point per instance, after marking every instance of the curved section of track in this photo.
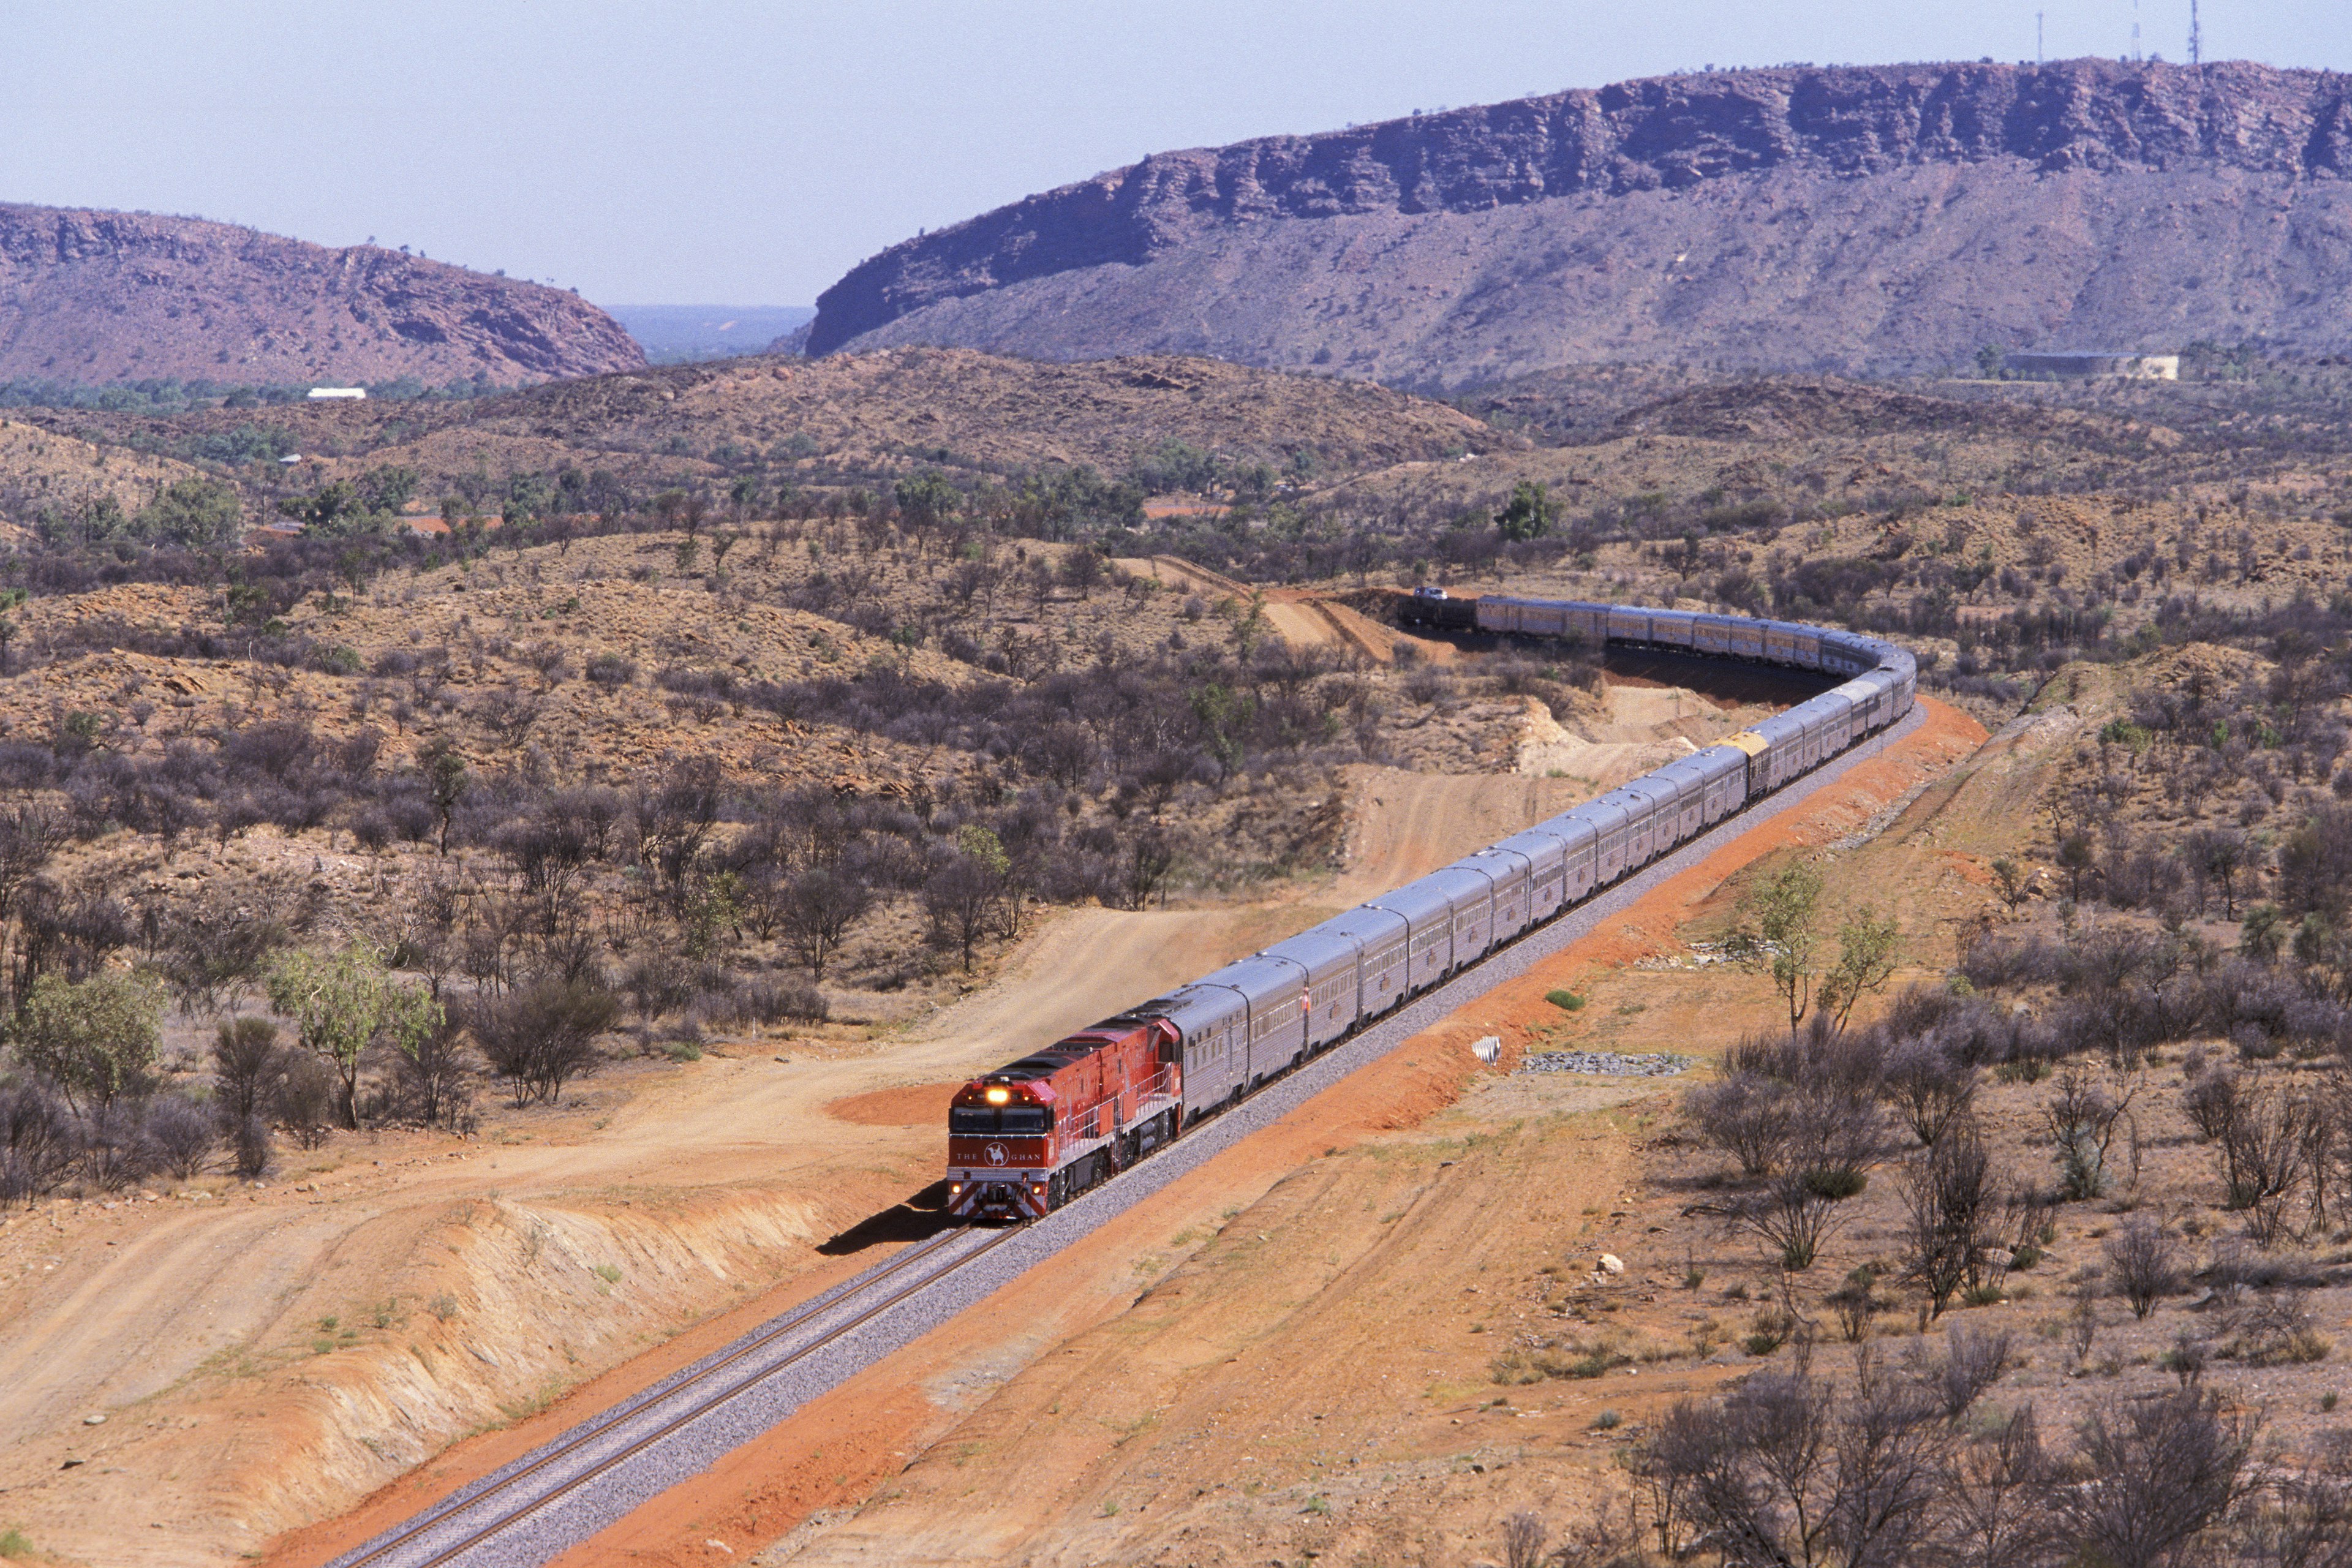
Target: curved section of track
(566, 1490)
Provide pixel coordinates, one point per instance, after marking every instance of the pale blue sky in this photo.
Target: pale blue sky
(749, 153)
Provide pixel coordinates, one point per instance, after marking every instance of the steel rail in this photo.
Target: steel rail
(582, 1437)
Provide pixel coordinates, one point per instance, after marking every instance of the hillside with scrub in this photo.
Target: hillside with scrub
(564, 858)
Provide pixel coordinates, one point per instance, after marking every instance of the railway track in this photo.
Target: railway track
(564, 1493)
(490, 1521)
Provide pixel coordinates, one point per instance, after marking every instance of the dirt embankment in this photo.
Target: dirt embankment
(1288, 1351)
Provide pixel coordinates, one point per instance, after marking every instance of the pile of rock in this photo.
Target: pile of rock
(1608, 1064)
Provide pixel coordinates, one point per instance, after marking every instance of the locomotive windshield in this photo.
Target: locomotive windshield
(987, 1120)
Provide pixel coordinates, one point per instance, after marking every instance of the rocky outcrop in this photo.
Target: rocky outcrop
(1795, 216)
(94, 297)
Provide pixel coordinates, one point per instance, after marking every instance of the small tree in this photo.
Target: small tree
(193, 513)
(448, 781)
(2082, 1117)
(95, 1038)
(1951, 1212)
(1775, 935)
(815, 911)
(927, 498)
(1866, 956)
(958, 898)
(1529, 514)
(342, 1003)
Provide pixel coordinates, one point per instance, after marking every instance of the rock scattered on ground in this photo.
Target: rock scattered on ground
(1607, 1064)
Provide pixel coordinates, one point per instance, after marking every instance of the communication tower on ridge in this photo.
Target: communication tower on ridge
(2196, 36)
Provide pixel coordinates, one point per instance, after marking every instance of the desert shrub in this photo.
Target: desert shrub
(2211, 1102)
(774, 1002)
(2143, 1264)
(2083, 1118)
(1928, 1088)
(305, 1099)
(250, 1147)
(40, 1140)
(247, 1064)
(1788, 1215)
(1971, 1360)
(436, 1080)
(657, 982)
(1960, 1227)
(611, 669)
(115, 1151)
(541, 1036)
(1745, 1115)
(2275, 1329)
(2264, 1154)
(2157, 1476)
(181, 1135)
(1834, 1138)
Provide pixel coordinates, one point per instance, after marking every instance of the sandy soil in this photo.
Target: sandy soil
(1289, 1351)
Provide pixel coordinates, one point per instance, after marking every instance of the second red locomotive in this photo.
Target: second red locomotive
(1026, 1139)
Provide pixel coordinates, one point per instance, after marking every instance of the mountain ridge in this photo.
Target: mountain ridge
(1535, 190)
(92, 296)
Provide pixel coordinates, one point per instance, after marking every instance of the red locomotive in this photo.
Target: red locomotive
(1026, 1139)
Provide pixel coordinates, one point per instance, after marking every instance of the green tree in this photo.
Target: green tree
(1988, 361)
(96, 1038)
(1530, 512)
(1775, 934)
(927, 498)
(332, 508)
(1867, 957)
(344, 1002)
(195, 512)
(1225, 715)
(387, 487)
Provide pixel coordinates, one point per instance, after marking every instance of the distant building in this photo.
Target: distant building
(2087, 366)
(318, 394)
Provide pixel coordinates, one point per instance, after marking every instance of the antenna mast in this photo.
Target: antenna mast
(2039, 57)
(2135, 54)
(2196, 36)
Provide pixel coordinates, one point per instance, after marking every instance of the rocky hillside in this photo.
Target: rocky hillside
(89, 297)
(1891, 218)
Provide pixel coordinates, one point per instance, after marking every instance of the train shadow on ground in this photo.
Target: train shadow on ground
(917, 1218)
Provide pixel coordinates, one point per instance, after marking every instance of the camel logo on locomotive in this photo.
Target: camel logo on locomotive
(996, 1155)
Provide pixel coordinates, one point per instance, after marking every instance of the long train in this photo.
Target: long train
(1026, 1139)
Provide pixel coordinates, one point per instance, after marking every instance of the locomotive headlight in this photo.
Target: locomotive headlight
(954, 1189)
(1000, 1095)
